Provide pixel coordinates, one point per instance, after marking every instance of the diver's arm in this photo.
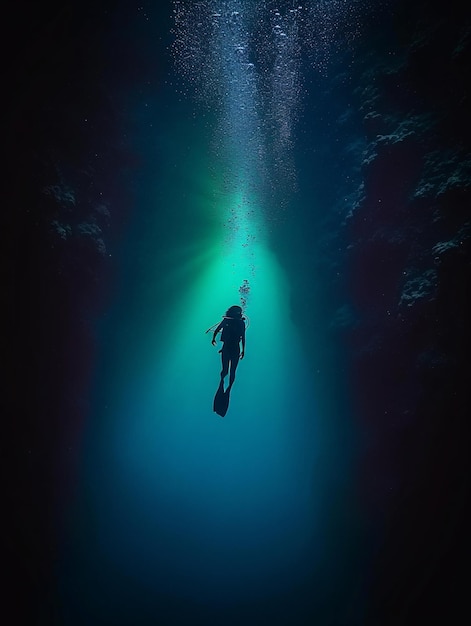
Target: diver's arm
(213, 340)
(242, 354)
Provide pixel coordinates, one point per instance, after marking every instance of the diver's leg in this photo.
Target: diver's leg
(225, 363)
(235, 356)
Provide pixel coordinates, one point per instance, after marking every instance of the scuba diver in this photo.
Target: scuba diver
(233, 333)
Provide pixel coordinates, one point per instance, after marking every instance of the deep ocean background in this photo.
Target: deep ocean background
(375, 248)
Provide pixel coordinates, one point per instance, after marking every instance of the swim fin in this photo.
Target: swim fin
(221, 400)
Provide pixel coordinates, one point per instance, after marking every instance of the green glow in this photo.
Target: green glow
(243, 255)
(245, 477)
(209, 509)
(182, 507)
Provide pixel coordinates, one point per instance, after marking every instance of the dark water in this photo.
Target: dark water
(240, 143)
(185, 517)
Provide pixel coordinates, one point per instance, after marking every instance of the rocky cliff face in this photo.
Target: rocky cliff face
(409, 275)
(59, 209)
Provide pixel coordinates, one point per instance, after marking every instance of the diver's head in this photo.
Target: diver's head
(234, 311)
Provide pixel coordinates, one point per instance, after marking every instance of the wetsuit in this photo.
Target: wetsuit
(233, 330)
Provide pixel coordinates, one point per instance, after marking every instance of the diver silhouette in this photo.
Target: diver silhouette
(233, 334)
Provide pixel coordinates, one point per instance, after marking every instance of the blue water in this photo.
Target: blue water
(182, 517)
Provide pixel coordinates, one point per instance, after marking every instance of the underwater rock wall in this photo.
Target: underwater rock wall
(61, 218)
(408, 268)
